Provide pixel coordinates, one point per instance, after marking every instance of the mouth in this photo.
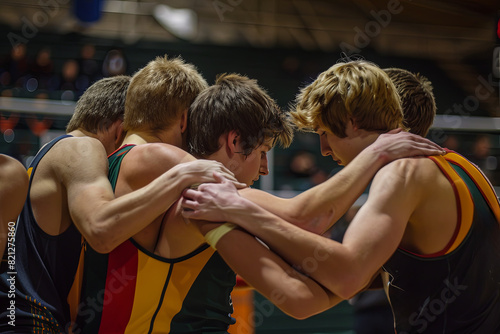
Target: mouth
(255, 180)
(337, 160)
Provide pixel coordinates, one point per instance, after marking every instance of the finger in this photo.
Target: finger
(190, 193)
(188, 204)
(228, 176)
(395, 130)
(425, 140)
(433, 145)
(239, 185)
(425, 149)
(188, 214)
(219, 178)
(420, 139)
(225, 169)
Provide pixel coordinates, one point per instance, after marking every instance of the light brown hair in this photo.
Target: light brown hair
(417, 99)
(236, 103)
(356, 90)
(101, 104)
(160, 92)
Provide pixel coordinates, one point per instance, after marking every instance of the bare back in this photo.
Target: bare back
(168, 235)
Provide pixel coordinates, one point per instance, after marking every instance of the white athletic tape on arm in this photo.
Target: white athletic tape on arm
(213, 237)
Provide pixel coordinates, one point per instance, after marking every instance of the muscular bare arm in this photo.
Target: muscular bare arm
(13, 190)
(346, 268)
(294, 293)
(104, 221)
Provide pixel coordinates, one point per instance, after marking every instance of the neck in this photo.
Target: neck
(82, 133)
(369, 138)
(360, 141)
(222, 157)
(138, 138)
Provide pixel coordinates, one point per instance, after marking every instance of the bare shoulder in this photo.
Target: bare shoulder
(414, 167)
(12, 172)
(250, 192)
(13, 187)
(75, 156)
(255, 195)
(78, 146)
(419, 174)
(9, 165)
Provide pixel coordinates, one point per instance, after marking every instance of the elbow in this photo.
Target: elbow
(299, 216)
(300, 315)
(300, 311)
(100, 239)
(347, 292)
(314, 221)
(302, 305)
(294, 216)
(349, 286)
(99, 245)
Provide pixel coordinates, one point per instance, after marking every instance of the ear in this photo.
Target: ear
(351, 125)
(232, 142)
(119, 133)
(184, 119)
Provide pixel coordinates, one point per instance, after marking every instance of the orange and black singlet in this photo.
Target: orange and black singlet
(457, 290)
(132, 290)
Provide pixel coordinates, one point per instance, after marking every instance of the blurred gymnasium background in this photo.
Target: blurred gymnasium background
(52, 50)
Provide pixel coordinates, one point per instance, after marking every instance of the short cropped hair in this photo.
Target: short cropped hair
(417, 99)
(357, 90)
(237, 103)
(100, 105)
(159, 93)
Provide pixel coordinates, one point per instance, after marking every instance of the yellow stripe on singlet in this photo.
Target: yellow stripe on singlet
(484, 186)
(464, 201)
(74, 293)
(183, 277)
(151, 278)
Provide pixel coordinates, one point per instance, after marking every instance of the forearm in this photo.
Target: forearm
(318, 208)
(326, 261)
(107, 225)
(292, 292)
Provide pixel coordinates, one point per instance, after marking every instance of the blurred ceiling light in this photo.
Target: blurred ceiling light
(181, 22)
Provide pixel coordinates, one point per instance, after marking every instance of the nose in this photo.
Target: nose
(263, 170)
(325, 147)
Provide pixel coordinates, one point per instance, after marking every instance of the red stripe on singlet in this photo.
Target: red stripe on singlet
(480, 180)
(120, 286)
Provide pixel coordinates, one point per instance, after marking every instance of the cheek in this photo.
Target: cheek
(333, 144)
(251, 166)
